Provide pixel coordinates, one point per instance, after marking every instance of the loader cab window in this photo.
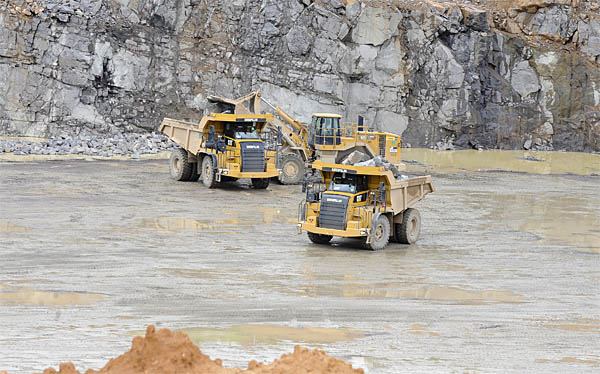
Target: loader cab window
(350, 183)
(241, 131)
(327, 130)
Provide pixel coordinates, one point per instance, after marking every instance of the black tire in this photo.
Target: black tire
(179, 167)
(381, 234)
(292, 169)
(209, 177)
(408, 231)
(260, 183)
(194, 176)
(318, 238)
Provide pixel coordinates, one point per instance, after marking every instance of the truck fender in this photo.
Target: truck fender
(373, 220)
(215, 162)
(211, 155)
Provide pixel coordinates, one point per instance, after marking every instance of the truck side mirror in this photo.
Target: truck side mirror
(382, 197)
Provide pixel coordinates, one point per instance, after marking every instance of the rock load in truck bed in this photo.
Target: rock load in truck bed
(358, 158)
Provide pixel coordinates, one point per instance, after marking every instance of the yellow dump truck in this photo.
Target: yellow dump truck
(365, 202)
(222, 147)
(326, 138)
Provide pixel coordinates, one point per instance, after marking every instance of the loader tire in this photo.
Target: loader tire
(260, 183)
(194, 176)
(209, 177)
(318, 238)
(408, 231)
(292, 169)
(179, 167)
(381, 234)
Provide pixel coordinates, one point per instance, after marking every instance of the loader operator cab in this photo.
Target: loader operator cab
(325, 129)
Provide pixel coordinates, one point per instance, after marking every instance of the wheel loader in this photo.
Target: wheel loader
(222, 147)
(326, 138)
(363, 202)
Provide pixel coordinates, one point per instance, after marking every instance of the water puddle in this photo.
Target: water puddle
(435, 293)
(50, 299)
(262, 215)
(193, 273)
(568, 360)
(9, 227)
(419, 159)
(170, 224)
(469, 297)
(270, 334)
(571, 221)
(418, 329)
(575, 327)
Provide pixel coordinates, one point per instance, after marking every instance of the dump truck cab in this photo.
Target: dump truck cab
(222, 147)
(365, 202)
(333, 140)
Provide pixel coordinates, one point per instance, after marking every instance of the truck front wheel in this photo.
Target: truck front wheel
(319, 239)
(408, 231)
(208, 172)
(381, 234)
(179, 166)
(260, 183)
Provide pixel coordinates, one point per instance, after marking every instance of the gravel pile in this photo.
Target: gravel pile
(128, 145)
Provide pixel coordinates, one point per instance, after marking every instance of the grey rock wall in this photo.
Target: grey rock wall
(441, 74)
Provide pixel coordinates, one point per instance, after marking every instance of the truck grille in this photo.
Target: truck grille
(333, 211)
(253, 157)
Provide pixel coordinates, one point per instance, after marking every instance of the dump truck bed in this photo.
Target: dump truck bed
(186, 134)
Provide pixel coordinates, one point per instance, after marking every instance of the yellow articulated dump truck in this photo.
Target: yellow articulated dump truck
(365, 202)
(222, 147)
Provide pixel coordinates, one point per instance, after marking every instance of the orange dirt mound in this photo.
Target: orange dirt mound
(170, 352)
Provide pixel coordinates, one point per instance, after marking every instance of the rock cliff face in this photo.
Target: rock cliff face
(496, 74)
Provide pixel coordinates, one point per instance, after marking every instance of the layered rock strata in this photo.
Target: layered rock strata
(487, 74)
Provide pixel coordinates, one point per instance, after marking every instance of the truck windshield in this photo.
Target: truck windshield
(348, 183)
(246, 132)
(343, 183)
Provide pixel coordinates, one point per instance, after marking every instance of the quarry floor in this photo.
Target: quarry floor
(504, 279)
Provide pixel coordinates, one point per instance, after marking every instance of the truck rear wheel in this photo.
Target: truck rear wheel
(381, 234)
(209, 178)
(408, 231)
(260, 183)
(319, 239)
(292, 169)
(194, 176)
(179, 167)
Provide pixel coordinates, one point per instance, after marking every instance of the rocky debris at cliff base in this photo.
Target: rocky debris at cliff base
(130, 145)
(164, 351)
